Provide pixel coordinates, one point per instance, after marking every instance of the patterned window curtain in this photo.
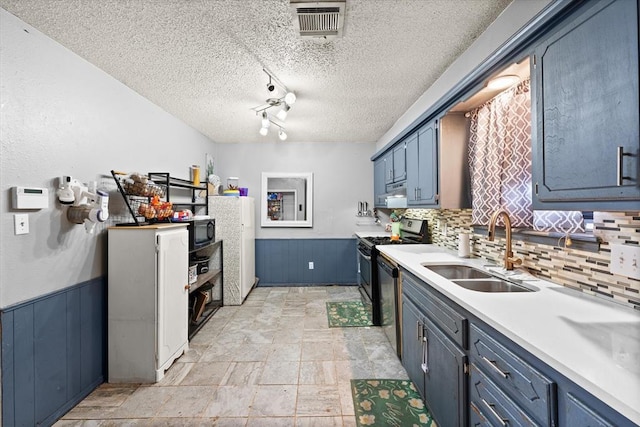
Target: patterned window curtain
(500, 157)
(500, 164)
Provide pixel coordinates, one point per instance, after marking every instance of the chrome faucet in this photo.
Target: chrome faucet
(509, 259)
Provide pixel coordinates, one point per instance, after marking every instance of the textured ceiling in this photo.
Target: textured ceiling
(202, 60)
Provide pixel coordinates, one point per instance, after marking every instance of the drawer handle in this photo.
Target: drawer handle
(491, 408)
(493, 365)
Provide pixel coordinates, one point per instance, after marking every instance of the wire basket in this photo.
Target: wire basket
(149, 211)
(148, 189)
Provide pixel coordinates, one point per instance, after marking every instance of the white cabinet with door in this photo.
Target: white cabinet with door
(147, 300)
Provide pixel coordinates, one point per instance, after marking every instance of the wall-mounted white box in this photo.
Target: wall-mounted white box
(30, 198)
(625, 260)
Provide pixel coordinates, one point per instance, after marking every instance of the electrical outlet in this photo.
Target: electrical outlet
(625, 260)
(21, 223)
(311, 265)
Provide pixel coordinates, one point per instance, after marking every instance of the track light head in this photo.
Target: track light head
(282, 135)
(284, 110)
(290, 98)
(264, 131)
(265, 120)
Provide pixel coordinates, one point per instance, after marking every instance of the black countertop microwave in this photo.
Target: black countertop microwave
(201, 233)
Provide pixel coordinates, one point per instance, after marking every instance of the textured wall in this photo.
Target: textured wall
(63, 116)
(581, 270)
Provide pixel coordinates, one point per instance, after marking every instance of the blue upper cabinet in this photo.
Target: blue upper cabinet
(422, 166)
(585, 120)
(379, 182)
(399, 163)
(395, 164)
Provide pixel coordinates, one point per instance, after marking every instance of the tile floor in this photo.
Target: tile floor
(271, 362)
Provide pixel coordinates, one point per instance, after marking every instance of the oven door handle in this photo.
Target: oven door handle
(363, 255)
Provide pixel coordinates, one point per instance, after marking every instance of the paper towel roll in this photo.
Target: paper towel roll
(464, 245)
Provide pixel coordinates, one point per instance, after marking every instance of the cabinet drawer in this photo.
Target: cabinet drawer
(532, 390)
(476, 417)
(446, 318)
(496, 406)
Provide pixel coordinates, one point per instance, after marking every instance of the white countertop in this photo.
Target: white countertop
(594, 343)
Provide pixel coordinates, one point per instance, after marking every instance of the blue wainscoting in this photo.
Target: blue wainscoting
(53, 353)
(286, 261)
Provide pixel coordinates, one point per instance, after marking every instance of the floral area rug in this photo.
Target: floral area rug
(348, 313)
(394, 403)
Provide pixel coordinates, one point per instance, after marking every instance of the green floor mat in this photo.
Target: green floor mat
(394, 403)
(348, 313)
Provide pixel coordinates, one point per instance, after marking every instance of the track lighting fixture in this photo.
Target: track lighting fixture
(285, 103)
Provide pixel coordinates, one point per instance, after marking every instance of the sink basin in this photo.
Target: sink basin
(491, 285)
(476, 280)
(458, 271)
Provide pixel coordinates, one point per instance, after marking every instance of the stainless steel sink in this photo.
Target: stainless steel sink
(474, 279)
(491, 285)
(458, 271)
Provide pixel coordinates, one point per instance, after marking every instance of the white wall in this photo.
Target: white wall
(512, 19)
(61, 115)
(342, 176)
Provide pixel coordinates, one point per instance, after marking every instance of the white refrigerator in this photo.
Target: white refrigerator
(235, 226)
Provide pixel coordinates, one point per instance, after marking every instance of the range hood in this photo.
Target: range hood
(396, 195)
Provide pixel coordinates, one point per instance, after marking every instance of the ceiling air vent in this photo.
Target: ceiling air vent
(318, 20)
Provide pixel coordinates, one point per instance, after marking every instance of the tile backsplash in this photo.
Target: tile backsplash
(581, 270)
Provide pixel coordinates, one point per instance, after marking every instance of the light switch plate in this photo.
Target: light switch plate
(625, 260)
(21, 223)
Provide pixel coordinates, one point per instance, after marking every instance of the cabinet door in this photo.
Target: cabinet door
(585, 88)
(388, 167)
(399, 162)
(579, 414)
(413, 170)
(422, 167)
(428, 165)
(172, 292)
(444, 385)
(412, 343)
(379, 183)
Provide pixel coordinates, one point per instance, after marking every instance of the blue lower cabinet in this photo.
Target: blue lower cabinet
(444, 385)
(498, 408)
(431, 354)
(527, 386)
(579, 414)
(476, 417)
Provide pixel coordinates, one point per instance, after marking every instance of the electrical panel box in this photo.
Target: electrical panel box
(30, 198)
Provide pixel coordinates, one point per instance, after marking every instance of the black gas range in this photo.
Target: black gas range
(412, 231)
